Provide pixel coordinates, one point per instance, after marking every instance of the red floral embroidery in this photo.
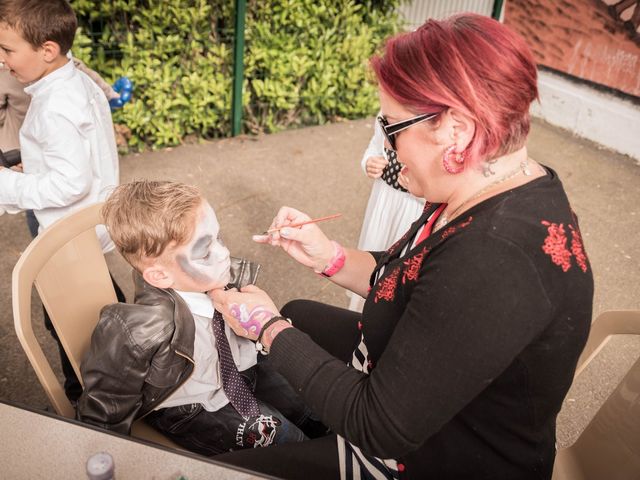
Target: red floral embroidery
(555, 245)
(387, 288)
(412, 266)
(451, 230)
(393, 247)
(577, 249)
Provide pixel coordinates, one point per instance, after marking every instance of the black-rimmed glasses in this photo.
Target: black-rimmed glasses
(391, 130)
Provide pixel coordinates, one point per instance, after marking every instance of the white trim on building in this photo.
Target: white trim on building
(601, 117)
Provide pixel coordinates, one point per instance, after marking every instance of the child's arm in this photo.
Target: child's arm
(60, 177)
(376, 146)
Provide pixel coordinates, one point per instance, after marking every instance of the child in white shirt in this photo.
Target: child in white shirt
(69, 154)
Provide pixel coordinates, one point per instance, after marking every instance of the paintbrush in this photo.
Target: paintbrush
(299, 224)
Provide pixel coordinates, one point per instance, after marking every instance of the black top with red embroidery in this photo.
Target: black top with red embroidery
(472, 337)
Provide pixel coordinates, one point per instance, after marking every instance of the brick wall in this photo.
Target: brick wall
(578, 37)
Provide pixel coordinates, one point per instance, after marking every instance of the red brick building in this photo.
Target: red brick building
(588, 39)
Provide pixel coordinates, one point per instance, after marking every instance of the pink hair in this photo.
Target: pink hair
(467, 62)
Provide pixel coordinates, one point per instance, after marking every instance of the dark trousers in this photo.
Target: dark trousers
(72, 386)
(283, 418)
(336, 330)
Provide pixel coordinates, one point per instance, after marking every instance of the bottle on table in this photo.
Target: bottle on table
(100, 466)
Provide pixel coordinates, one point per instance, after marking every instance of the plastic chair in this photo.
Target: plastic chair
(66, 264)
(609, 447)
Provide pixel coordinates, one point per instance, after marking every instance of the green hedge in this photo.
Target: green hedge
(306, 62)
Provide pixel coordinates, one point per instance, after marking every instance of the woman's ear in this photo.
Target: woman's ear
(157, 276)
(461, 129)
(50, 51)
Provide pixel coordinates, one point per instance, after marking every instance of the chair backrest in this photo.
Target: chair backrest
(66, 264)
(609, 447)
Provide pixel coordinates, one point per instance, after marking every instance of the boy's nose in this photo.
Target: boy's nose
(221, 251)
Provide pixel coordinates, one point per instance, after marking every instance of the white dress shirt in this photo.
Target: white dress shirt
(68, 147)
(205, 384)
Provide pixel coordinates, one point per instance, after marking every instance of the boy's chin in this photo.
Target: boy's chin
(221, 284)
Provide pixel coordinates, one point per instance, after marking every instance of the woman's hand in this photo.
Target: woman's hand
(375, 165)
(246, 311)
(306, 244)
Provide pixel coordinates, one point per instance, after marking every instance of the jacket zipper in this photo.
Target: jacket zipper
(160, 400)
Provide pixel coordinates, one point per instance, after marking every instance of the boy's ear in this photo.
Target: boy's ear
(50, 50)
(157, 276)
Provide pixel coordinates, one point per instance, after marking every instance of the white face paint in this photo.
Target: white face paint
(202, 264)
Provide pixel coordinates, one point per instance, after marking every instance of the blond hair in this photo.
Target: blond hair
(145, 217)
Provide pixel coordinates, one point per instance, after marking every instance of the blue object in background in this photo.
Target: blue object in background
(124, 87)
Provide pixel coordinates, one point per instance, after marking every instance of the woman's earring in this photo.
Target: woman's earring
(453, 161)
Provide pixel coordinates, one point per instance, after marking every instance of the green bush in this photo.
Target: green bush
(305, 62)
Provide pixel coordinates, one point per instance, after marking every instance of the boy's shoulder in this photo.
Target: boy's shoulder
(151, 320)
(70, 95)
(140, 324)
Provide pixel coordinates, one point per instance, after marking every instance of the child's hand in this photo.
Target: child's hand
(245, 311)
(403, 181)
(123, 89)
(375, 166)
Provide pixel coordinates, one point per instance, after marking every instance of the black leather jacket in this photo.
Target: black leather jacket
(141, 353)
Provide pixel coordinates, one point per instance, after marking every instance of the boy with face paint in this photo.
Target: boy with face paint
(157, 358)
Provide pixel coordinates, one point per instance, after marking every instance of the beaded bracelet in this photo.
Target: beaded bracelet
(259, 346)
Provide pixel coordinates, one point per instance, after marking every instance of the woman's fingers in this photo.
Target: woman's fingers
(261, 238)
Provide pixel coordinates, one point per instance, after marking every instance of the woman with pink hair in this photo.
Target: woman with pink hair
(474, 319)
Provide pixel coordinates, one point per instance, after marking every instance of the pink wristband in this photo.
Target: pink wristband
(336, 263)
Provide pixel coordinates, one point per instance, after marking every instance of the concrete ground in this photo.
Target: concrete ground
(317, 170)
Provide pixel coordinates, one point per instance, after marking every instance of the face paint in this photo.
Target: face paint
(204, 261)
(251, 321)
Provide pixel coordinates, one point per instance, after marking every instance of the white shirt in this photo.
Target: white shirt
(69, 153)
(205, 384)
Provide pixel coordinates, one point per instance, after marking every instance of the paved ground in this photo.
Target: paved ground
(317, 170)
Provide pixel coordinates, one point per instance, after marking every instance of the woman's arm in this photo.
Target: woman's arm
(309, 246)
(459, 331)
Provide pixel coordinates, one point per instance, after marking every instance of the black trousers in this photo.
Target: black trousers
(72, 386)
(283, 418)
(336, 330)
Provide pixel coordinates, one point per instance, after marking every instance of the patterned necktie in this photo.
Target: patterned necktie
(233, 384)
